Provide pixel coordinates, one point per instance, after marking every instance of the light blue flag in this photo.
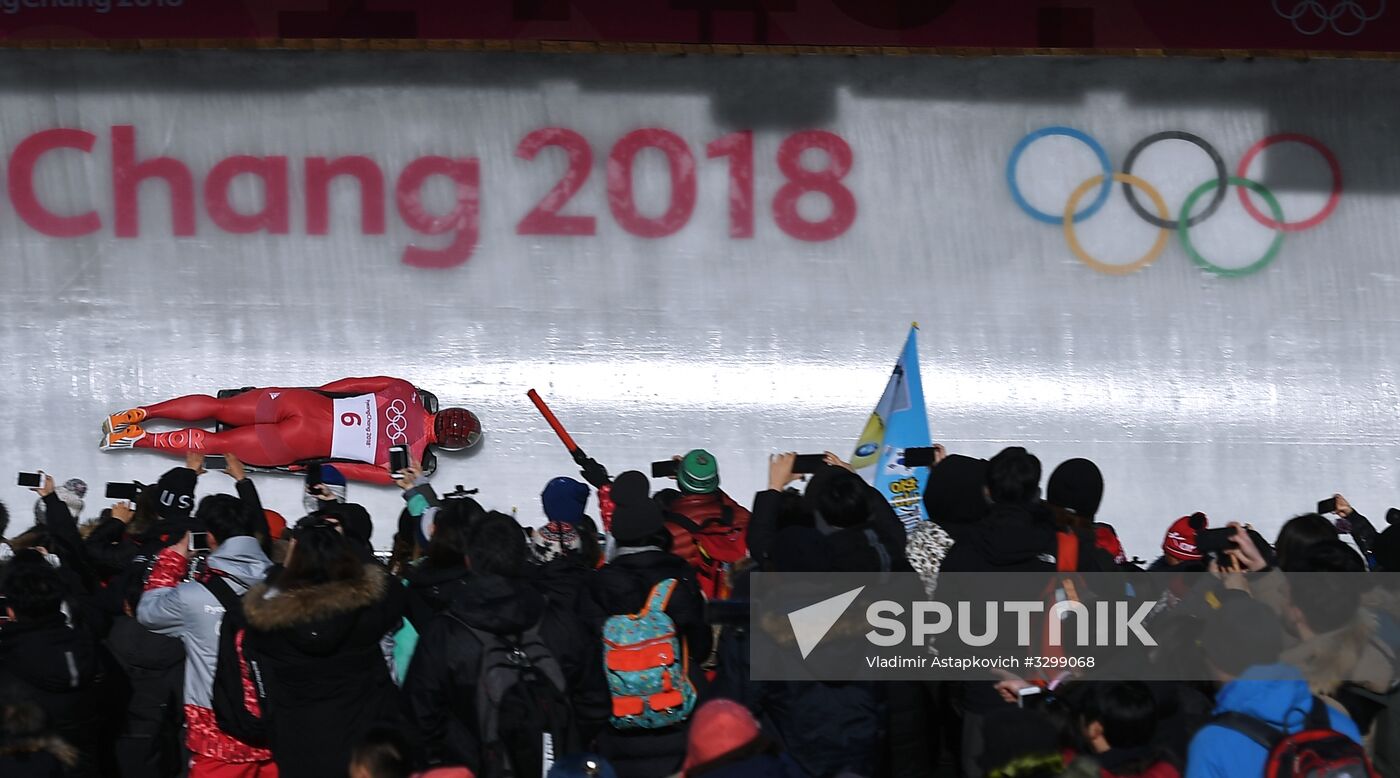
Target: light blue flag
(899, 422)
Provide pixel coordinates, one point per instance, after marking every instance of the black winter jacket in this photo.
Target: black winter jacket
(440, 688)
(326, 676)
(431, 590)
(57, 668)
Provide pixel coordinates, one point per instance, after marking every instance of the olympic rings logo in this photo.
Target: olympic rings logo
(1312, 17)
(1159, 216)
(395, 423)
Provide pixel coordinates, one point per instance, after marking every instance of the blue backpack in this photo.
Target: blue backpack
(646, 664)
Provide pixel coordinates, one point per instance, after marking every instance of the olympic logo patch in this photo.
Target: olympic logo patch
(1160, 216)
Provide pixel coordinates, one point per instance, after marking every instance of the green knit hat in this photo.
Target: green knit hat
(698, 473)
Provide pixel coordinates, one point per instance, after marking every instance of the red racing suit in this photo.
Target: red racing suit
(353, 419)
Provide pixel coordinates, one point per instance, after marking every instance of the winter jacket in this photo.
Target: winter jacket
(189, 611)
(430, 590)
(151, 693)
(851, 545)
(56, 667)
(1009, 539)
(1276, 694)
(441, 688)
(39, 756)
(563, 581)
(622, 587)
(707, 531)
(326, 677)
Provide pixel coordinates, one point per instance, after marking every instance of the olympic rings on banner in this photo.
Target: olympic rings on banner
(1186, 218)
(1103, 267)
(1069, 132)
(1304, 10)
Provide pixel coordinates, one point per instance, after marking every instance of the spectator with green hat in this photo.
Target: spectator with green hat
(708, 529)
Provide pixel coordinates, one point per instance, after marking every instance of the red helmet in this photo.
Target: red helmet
(456, 428)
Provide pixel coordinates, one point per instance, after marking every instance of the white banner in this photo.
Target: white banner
(683, 252)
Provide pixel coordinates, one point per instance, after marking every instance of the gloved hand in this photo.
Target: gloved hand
(592, 472)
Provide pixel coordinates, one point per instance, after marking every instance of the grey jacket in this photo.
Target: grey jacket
(190, 612)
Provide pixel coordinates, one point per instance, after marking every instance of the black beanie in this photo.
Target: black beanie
(353, 518)
(636, 521)
(956, 491)
(175, 494)
(630, 487)
(1077, 485)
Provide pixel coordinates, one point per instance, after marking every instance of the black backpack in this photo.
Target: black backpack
(235, 675)
(523, 718)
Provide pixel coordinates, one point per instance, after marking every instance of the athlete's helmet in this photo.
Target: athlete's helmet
(456, 428)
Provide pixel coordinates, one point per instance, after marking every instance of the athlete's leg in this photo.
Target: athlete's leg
(237, 410)
(257, 444)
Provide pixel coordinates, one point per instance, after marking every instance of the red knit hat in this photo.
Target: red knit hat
(1106, 539)
(1180, 542)
(718, 727)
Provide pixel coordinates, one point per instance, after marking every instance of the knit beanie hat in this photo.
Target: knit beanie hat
(553, 540)
(954, 494)
(717, 728)
(631, 486)
(1077, 485)
(1240, 634)
(633, 522)
(1106, 538)
(175, 494)
(71, 492)
(1180, 542)
(698, 472)
(564, 500)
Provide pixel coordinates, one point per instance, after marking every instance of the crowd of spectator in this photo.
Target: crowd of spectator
(167, 637)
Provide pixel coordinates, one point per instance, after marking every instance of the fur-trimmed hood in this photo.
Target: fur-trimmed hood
(1352, 653)
(269, 608)
(40, 744)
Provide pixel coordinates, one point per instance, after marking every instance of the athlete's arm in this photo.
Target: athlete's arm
(360, 385)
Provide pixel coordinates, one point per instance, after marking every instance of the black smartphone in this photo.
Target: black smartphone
(921, 456)
(313, 479)
(31, 480)
(117, 490)
(215, 462)
(199, 542)
(1215, 541)
(808, 463)
(666, 468)
(1327, 506)
(398, 459)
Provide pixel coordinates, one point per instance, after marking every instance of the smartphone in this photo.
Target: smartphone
(398, 459)
(31, 480)
(1327, 506)
(808, 463)
(4, 609)
(199, 542)
(666, 468)
(921, 456)
(117, 490)
(1031, 697)
(313, 478)
(1215, 541)
(215, 462)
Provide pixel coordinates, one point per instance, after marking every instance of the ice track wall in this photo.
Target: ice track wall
(669, 295)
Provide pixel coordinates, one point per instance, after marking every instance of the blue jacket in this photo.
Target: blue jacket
(1277, 694)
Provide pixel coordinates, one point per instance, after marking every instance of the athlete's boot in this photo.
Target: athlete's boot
(126, 438)
(122, 419)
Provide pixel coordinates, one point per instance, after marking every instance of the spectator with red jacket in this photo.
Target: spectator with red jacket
(709, 529)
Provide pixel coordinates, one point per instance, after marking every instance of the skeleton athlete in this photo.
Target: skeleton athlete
(355, 420)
